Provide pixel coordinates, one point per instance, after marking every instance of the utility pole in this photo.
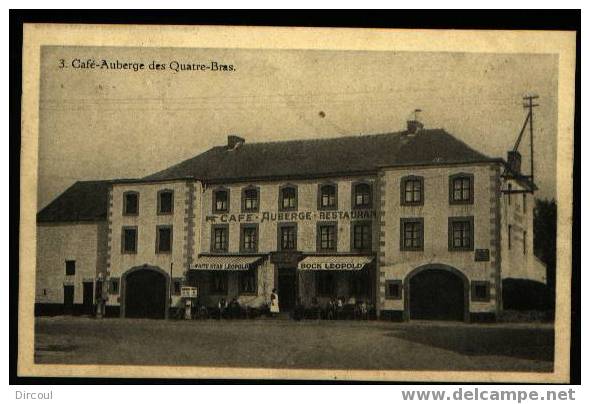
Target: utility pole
(530, 105)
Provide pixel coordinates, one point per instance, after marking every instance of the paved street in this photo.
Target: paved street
(289, 344)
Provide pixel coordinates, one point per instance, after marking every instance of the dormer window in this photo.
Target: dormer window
(130, 203)
(288, 198)
(361, 196)
(221, 200)
(327, 197)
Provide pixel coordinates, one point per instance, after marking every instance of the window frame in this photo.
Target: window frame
(123, 229)
(333, 225)
(225, 228)
(224, 276)
(161, 227)
(400, 292)
(251, 273)
(474, 286)
(66, 267)
(214, 200)
(246, 189)
(112, 289)
(280, 227)
(323, 293)
(411, 220)
(461, 176)
(243, 227)
(282, 188)
(334, 186)
(353, 225)
(356, 184)
(125, 195)
(456, 219)
(165, 191)
(404, 181)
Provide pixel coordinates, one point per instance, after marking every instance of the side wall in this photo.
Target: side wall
(395, 264)
(56, 243)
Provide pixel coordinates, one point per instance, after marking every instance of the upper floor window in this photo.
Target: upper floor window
(326, 237)
(361, 236)
(412, 190)
(362, 195)
(327, 197)
(412, 234)
(461, 189)
(219, 238)
(250, 199)
(461, 233)
(165, 202)
(70, 267)
(130, 203)
(288, 198)
(129, 240)
(287, 237)
(221, 200)
(164, 239)
(249, 238)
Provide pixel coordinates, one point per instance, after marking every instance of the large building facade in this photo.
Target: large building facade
(414, 224)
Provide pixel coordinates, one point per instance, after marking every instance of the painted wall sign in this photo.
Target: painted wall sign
(335, 266)
(189, 291)
(210, 266)
(292, 216)
(482, 254)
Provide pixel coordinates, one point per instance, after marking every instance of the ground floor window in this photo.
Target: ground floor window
(324, 283)
(219, 283)
(393, 289)
(247, 282)
(358, 284)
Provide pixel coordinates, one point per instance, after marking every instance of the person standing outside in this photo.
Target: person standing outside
(274, 303)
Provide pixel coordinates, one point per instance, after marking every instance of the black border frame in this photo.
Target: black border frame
(441, 19)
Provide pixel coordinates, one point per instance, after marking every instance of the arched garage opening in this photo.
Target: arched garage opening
(145, 293)
(436, 292)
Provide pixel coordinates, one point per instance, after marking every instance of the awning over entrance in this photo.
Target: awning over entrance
(225, 263)
(334, 263)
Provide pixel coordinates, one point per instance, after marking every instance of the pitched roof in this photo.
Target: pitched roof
(323, 157)
(85, 201)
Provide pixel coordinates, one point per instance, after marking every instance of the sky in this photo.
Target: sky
(106, 124)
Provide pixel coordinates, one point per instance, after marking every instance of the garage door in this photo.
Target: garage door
(437, 295)
(145, 294)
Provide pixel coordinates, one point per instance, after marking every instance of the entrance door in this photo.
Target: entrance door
(145, 294)
(287, 289)
(69, 299)
(88, 297)
(436, 294)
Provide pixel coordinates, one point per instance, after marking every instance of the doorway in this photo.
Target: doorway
(437, 294)
(287, 289)
(88, 297)
(145, 294)
(69, 299)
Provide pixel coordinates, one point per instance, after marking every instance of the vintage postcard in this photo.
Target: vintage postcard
(343, 204)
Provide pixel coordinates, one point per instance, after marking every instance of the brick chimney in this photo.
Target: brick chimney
(514, 160)
(414, 126)
(233, 142)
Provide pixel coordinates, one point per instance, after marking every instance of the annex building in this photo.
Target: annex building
(416, 224)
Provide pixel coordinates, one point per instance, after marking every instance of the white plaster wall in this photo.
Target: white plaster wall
(59, 242)
(396, 264)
